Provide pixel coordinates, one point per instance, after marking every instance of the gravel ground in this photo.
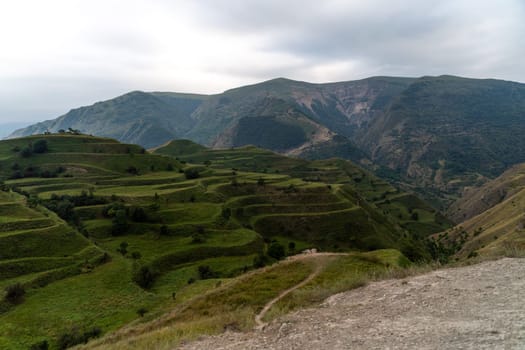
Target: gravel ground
(474, 307)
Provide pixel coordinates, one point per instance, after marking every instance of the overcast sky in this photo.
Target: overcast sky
(59, 54)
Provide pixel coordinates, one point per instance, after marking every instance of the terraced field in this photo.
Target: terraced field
(100, 233)
(37, 247)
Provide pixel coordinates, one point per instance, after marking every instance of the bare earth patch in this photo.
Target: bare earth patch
(475, 307)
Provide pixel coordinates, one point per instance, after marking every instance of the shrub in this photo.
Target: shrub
(120, 222)
(15, 293)
(142, 311)
(41, 345)
(136, 255)
(143, 276)
(276, 251)
(132, 170)
(260, 261)
(164, 230)
(138, 214)
(191, 174)
(198, 238)
(226, 213)
(26, 152)
(205, 272)
(40, 146)
(75, 336)
(123, 249)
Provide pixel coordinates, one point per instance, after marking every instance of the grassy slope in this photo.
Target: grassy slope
(351, 183)
(495, 221)
(259, 188)
(233, 305)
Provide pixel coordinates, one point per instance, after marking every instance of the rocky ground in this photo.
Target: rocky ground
(475, 307)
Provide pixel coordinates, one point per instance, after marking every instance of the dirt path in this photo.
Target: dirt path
(259, 324)
(474, 307)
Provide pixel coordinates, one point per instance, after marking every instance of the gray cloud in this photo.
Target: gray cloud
(96, 50)
(462, 37)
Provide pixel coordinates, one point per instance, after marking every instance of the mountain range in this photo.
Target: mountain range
(435, 135)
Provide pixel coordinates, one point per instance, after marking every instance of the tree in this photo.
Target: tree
(138, 214)
(120, 222)
(40, 146)
(226, 213)
(164, 230)
(143, 276)
(142, 311)
(191, 174)
(123, 248)
(276, 251)
(132, 170)
(205, 272)
(41, 345)
(26, 152)
(15, 293)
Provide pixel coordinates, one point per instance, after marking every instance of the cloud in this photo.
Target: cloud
(407, 37)
(59, 54)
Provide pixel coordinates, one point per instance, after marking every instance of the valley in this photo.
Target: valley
(118, 246)
(433, 135)
(98, 234)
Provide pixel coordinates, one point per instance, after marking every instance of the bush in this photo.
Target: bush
(164, 230)
(142, 311)
(40, 146)
(260, 261)
(120, 222)
(75, 336)
(191, 174)
(144, 276)
(198, 238)
(138, 214)
(26, 152)
(132, 170)
(41, 345)
(15, 293)
(276, 251)
(226, 213)
(205, 272)
(123, 249)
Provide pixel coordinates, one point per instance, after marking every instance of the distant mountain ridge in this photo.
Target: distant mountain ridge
(437, 134)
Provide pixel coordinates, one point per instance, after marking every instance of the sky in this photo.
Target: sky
(56, 55)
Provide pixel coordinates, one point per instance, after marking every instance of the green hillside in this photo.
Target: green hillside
(491, 219)
(432, 135)
(98, 233)
(234, 305)
(443, 134)
(148, 119)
